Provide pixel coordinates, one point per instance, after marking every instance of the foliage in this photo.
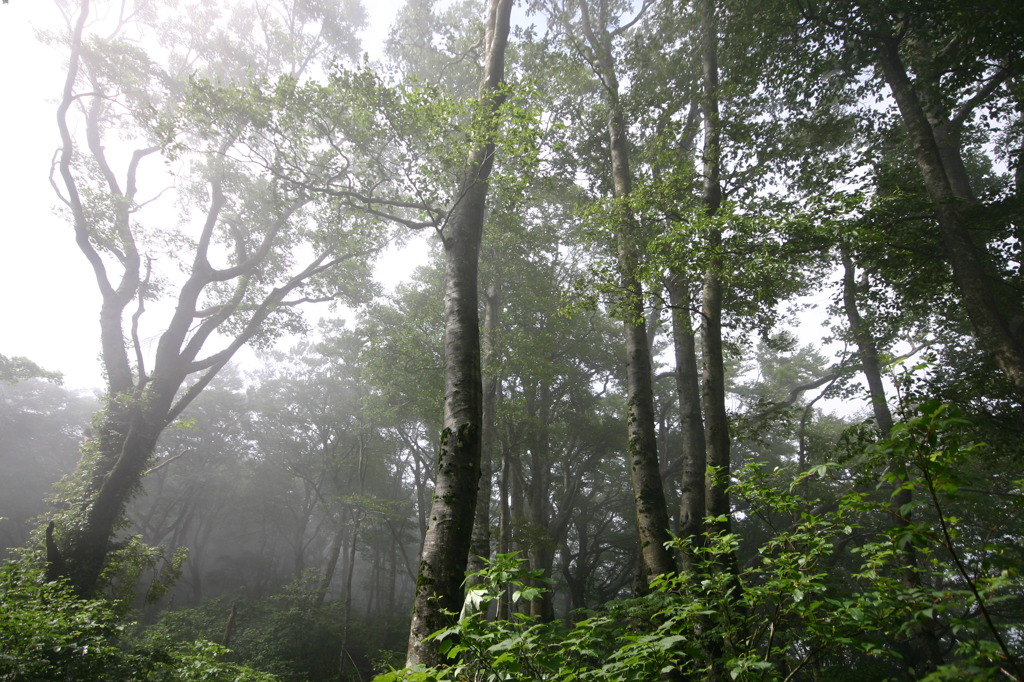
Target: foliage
(822, 597)
(41, 427)
(47, 633)
(282, 147)
(18, 369)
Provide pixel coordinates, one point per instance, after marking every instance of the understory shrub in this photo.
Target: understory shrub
(826, 597)
(48, 634)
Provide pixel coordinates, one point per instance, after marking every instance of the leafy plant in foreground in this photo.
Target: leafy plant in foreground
(47, 633)
(821, 599)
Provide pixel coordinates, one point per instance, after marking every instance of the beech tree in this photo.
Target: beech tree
(240, 249)
(450, 524)
(711, 162)
(945, 67)
(591, 30)
(192, 486)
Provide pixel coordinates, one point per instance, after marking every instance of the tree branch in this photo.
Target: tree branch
(980, 97)
(164, 463)
(139, 358)
(639, 15)
(214, 363)
(836, 373)
(67, 148)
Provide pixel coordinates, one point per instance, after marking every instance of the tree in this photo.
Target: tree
(15, 370)
(590, 30)
(450, 524)
(193, 487)
(716, 425)
(940, 79)
(405, 367)
(42, 426)
(240, 280)
(550, 365)
(868, 352)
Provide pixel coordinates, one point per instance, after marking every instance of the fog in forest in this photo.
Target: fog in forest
(466, 340)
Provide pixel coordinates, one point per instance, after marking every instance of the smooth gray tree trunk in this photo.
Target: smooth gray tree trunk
(449, 531)
(716, 424)
(691, 503)
(642, 446)
(480, 547)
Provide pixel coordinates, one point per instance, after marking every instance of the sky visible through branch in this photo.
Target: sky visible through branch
(50, 305)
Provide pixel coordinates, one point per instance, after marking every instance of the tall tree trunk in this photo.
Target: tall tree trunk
(691, 502)
(926, 643)
(716, 422)
(334, 554)
(716, 425)
(867, 351)
(505, 491)
(642, 446)
(446, 544)
(539, 543)
(350, 570)
(1018, 180)
(995, 312)
(480, 546)
(123, 454)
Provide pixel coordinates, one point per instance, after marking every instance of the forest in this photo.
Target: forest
(552, 340)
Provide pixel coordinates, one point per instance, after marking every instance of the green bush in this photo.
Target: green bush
(48, 634)
(824, 598)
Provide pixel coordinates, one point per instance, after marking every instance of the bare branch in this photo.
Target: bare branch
(129, 257)
(164, 463)
(836, 373)
(133, 168)
(217, 202)
(639, 15)
(247, 265)
(367, 202)
(948, 49)
(211, 322)
(213, 364)
(308, 299)
(54, 165)
(159, 194)
(797, 391)
(67, 147)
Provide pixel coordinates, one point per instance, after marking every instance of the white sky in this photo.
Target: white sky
(49, 306)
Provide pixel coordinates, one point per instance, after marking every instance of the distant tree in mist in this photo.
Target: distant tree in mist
(42, 426)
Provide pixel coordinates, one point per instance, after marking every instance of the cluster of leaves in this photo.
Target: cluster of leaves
(17, 369)
(47, 633)
(824, 597)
